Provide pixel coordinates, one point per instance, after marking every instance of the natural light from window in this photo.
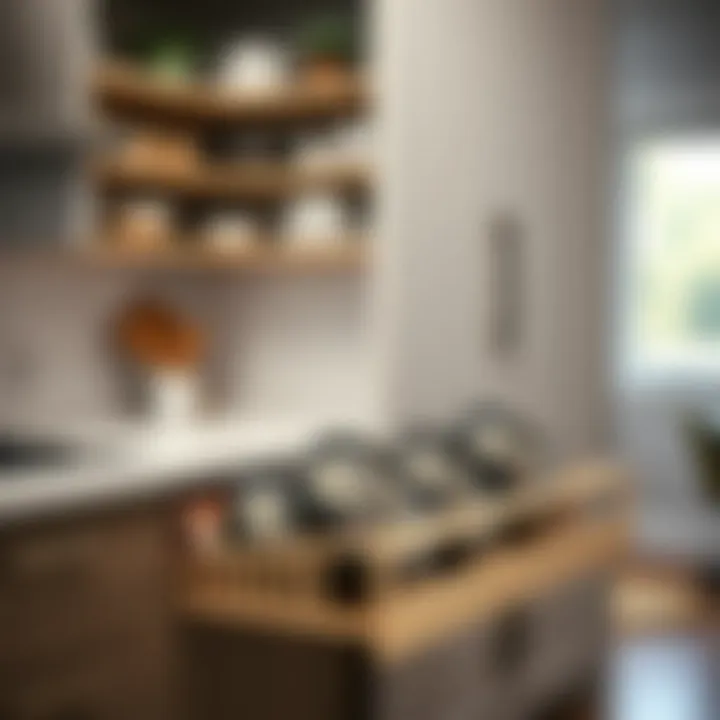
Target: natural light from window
(672, 314)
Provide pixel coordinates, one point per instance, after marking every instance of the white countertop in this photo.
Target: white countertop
(131, 460)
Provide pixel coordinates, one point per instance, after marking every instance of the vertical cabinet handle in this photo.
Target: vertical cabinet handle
(507, 284)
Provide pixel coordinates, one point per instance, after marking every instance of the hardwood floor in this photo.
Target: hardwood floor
(660, 599)
(665, 678)
(666, 665)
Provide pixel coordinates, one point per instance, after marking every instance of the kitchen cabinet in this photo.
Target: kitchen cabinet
(491, 109)
(85, 618)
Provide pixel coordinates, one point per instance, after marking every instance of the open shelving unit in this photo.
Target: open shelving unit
(127, 93)
(349, 256)
(244, 181)
(130, 96)
(290, 316)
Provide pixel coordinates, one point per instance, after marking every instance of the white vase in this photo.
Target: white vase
(231, 232)
(316, 219)
(172, 395)
(253, 65)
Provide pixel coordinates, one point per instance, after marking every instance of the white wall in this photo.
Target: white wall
(57, 361)
(493, 105)
(295, 346)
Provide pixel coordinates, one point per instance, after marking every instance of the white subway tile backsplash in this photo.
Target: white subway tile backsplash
(277, 346)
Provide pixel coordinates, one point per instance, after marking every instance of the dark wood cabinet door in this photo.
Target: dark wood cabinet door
(86, 627)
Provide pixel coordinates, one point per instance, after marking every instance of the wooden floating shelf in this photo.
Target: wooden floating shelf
(126, 92)
(350, 256)
(255, 181)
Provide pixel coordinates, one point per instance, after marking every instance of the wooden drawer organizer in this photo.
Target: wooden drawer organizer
(353, 569)
(479, 642)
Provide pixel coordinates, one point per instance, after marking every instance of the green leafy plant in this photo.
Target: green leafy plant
(327, 37)
(165, 51)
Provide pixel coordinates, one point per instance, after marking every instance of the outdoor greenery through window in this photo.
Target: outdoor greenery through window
(674, 283)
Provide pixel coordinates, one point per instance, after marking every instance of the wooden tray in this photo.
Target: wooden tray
(364, 565)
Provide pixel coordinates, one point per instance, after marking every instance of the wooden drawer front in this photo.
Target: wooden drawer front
(63, 589)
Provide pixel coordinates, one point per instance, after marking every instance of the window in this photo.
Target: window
(672, 318)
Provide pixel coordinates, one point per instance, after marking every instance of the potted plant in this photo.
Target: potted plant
(171, 55)
(164, 350)
(327, 52)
